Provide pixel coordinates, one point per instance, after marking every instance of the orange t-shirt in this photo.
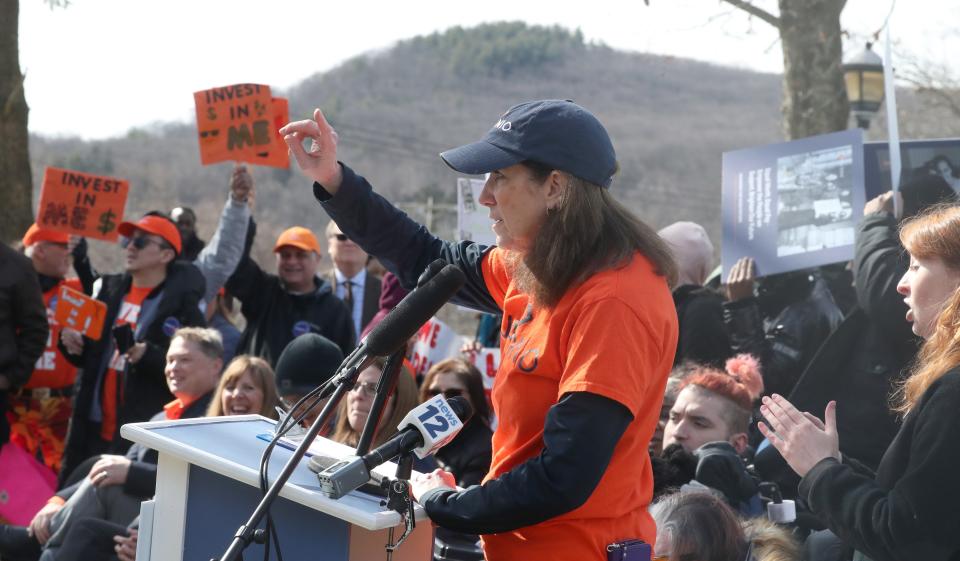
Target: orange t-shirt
(129, 313)
(615, 335)
(52, 369)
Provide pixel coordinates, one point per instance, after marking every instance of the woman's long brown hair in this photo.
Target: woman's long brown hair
(589, 232)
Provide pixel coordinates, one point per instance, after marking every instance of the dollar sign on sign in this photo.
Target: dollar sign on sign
(211, 114)
(106, 223)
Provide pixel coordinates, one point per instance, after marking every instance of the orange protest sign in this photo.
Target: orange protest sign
(82, 203)
(234, 123)
(78, 311)
(279, 155)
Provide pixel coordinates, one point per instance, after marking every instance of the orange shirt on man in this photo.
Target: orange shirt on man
(52, 369)
(614, 335)
(110, 393)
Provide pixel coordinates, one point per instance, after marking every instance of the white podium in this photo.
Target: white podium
(208, 486)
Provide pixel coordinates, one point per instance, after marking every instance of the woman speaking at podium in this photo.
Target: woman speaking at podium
(588, 334)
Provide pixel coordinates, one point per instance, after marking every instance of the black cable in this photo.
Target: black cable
(282, 429)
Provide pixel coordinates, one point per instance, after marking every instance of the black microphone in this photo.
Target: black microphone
(413, 311)
(429, 426)
(431, 271)
(410, 314)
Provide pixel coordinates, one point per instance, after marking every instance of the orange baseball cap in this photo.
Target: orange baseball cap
(298, 237)
(37, 234)
(156, 225)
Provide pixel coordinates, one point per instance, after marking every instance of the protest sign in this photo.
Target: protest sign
(278, 156)
(487, 361)
(81, 203)
(78, 311)
(436, 341)
(473, 219)
(939, 156)
(793, 205)
(235, 123)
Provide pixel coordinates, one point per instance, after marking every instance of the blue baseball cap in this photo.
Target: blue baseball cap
(554, 132)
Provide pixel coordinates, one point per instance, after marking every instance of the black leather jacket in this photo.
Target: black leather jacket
(785, 343)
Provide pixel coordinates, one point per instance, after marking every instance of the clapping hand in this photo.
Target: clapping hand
(802, 439)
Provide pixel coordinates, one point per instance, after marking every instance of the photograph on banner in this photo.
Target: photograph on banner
(82, 203)
(235, 123)
(793, 205)
(473, 219)
(78, 311)
(436, 341)
(919, 157)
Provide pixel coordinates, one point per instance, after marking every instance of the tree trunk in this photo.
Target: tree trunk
(16, 184)
(814, 96)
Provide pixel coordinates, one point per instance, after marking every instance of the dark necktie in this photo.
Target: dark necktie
(348, 295)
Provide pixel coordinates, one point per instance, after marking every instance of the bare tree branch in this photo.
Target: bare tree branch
(933, 81)
(755, 11)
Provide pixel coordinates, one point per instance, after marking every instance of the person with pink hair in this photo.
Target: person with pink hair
(715, 405)
(709, 421)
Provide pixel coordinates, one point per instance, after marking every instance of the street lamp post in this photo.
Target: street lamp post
(863, 76)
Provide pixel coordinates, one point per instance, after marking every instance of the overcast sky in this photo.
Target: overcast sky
(100, 67)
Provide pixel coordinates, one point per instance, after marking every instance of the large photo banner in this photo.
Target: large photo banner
(918, 158)
(793, 205)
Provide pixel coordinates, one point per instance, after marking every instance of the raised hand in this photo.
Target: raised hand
(740, 279)
(803, 440)
(241, 183)
(884, 202)
(320, 162)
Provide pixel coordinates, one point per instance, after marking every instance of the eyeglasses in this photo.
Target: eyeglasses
(368, 389)
(340, 237)
(138, 242)
(447, 394)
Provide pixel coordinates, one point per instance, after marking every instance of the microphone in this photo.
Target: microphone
(424, 430)
(412, 312)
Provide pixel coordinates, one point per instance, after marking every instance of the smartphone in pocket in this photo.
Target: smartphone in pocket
(629, 550)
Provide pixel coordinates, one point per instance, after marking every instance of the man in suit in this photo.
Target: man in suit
(353, 284)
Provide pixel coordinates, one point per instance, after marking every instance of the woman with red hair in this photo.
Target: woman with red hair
(908, 508)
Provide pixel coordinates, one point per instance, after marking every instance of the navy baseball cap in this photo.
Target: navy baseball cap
(554, 132)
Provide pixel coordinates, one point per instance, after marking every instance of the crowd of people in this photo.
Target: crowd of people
(176, 345)
(640, 396)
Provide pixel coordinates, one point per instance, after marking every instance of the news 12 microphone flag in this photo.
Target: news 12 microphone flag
(793, 205)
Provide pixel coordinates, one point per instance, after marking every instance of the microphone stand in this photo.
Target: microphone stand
(400, 501)
(385, 388)
(245, 534)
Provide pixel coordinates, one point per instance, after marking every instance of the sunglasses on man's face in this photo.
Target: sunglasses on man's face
(138, 242)
(447, 394)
